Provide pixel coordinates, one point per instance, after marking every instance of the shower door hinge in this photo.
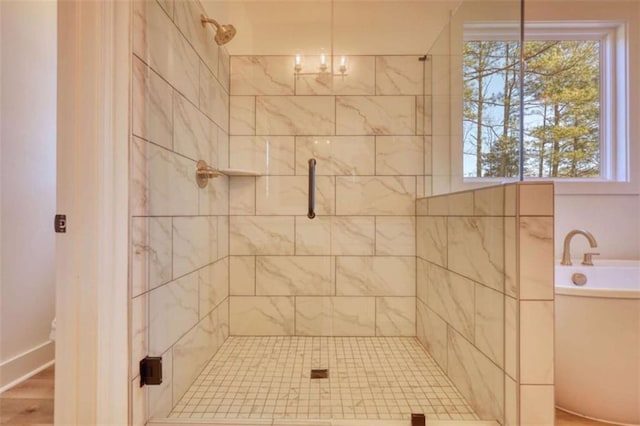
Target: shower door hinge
(151, 370)
(60, 223)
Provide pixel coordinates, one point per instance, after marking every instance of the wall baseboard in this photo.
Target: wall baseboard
(29, 363)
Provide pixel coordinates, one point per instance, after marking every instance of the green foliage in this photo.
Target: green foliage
(562, 108)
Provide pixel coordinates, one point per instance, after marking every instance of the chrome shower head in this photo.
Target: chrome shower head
(224, 33)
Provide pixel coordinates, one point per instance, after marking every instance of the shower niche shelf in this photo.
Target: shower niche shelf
(239, 172)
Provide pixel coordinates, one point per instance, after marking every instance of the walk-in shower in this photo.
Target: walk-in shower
(326, 292)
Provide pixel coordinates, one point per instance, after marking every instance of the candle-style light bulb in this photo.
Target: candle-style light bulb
(343, 64)
(298, 66)
(323, 62)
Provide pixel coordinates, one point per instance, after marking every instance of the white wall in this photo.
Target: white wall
(610, 211)
(613, 219)
(28, 185)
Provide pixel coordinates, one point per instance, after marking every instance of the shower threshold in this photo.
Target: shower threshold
(373, 381)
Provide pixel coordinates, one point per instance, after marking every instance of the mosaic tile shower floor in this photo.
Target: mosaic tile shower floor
(382, 378)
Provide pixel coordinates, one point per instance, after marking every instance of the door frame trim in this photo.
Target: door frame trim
(92, 342)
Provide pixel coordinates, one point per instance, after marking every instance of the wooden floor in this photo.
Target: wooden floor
(31, 404)
(566, 419)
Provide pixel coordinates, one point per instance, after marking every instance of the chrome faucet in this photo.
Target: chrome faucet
(566, 254)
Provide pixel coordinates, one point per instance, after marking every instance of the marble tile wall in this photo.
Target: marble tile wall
(179, 233)
(351, 271)
(484, 297)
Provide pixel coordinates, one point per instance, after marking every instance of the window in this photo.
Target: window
(569, 103)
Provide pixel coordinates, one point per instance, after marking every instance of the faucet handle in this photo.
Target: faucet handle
(587, 260)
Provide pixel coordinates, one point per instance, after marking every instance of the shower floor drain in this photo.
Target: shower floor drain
(319, 373)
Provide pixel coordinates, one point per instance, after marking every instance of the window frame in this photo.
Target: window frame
(614, 82)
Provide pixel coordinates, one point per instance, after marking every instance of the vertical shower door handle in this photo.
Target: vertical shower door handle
(312, 188)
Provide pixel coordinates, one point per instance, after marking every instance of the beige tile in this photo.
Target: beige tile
(336, 155)
(335, 316)
(168, 6)
(289, 195)
(536, 342)
(173, 310)
(194, 134)
(535, 199)
(451, 296)
(380, 195)
(223, 149)
(476, 249)
(428, 186)
(159, 43)
(267, 155)
(399, 75)
(353, 235)
(223, 68)
(242, 195)
(510, 199)
(313, 236)
(510, 257)
(375, 276)
(375, 115)
(262, 75)
(242, 115)
(395, 316)
(399, 155)
(489, 201)
(294, 276)
(478, 379)
(431, 330)
(421, 207)
(422, 279)
(214, 199)
(214, 100)
(536, 405)
(490, 323)
(536, 258)
(396, 236)
(162, 182)
(150, 253)
(223, 237)
(194, 243)
(242, 275)
(261, 316)
(262, 235)
(187, 13)
(295, 115)
(213, 282)
(511, 337)
(192, 351)
(510, 402)
(457, 204)
(151, 106)
(431, 242)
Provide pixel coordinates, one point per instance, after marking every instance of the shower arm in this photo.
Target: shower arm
(204, 20)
